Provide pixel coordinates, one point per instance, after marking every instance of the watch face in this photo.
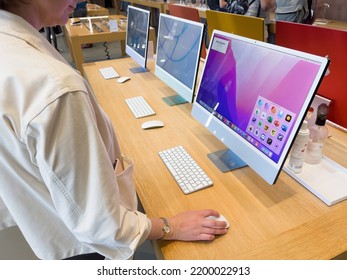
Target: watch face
(166, 229)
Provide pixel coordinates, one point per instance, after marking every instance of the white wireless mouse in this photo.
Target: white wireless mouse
(220, 218)
(152, 124)
(123, 79)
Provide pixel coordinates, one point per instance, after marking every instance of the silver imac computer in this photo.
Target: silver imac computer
(178, 56)
(253, 96)
(137, 34)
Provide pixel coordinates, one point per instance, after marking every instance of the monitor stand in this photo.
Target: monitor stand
(174, 100)
(136, 70)
(226, 160)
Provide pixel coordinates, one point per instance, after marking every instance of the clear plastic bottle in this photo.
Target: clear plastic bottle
(297, 153)
(318, 135)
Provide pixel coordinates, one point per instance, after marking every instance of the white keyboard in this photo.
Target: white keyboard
(139, 107)
(109, 73)
(187, 173)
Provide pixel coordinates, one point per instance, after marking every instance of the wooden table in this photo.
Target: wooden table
(77, 35)
(331, 23)
(284, 221)
(153, 5)
(158, 4)
(96, 10)
(116, 6)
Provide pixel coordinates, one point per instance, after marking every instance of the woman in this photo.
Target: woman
(63, 194)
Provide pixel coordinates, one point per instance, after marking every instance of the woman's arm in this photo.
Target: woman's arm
(267, 4)
(222, 4)
(189, 226)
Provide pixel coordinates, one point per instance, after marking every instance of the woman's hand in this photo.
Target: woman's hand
(193, 226)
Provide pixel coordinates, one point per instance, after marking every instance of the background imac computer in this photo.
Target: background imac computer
(190, 13)
(253, 96)
(323, 42)
(137, 34)
(178, 56)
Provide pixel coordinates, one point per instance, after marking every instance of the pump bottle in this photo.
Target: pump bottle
(297, 153)
(318, 135)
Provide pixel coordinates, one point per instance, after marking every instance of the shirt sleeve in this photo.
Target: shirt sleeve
(76, 164)
(6, 219)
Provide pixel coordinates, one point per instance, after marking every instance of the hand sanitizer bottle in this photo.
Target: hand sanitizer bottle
(318, 135)
(297, 153)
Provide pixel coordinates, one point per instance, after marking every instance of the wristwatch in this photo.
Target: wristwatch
(166, 227)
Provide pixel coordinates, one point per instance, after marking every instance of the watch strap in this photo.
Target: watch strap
(166, 227)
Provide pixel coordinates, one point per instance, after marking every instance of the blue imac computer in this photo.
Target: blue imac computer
(137, 34)
(178, 56)
(253, 96)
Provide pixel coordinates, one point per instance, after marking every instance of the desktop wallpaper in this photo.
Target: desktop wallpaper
(178, 51)
(256, 91)
(137, 31)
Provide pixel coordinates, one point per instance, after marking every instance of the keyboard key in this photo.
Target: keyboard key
(185, 170)
(109, 73)
(139, 107)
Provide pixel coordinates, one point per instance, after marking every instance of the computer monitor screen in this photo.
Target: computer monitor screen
(253, 96)
(178, 56)
(137, 34)
(323, 42)
(190, 13)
